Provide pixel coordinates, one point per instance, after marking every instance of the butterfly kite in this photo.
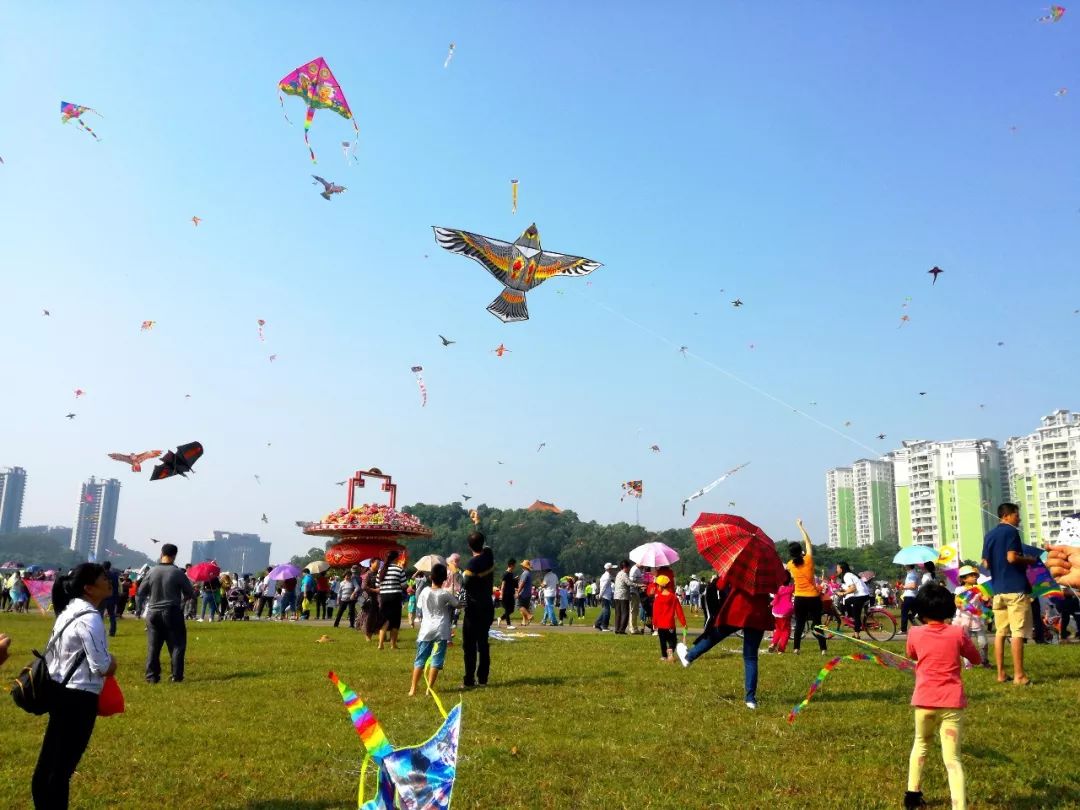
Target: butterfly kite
(1055, 15)
(73, 112)
(711, 486)
(135, 459)
(419, 777)
(315, 84)
(178, 463)
(419, 372)
(519, 266)
(635, 489)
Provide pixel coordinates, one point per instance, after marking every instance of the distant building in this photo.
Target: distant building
(1043, 471)
(875, 501)
(840, 497)
(947, 492)
(95, 522)
(544, 506)
(233, 551)
(12, 490)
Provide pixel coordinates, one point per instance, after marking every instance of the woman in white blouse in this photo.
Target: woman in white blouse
(856, 594)
(78, 660)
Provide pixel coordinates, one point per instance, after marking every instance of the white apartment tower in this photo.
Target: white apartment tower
(875, 501)
(95, 522)
(1044, 475)
(12, 490)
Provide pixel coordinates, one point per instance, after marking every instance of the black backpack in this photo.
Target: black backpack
(32, 690)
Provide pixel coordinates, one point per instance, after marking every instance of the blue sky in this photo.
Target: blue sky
(813, 160)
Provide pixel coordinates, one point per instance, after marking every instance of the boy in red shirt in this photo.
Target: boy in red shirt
(939, 697)
(664, 610)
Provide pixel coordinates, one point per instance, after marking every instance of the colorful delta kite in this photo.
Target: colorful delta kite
(315, 84)
(519, 266)
(411, 778)
(73, 112)
(147, 325)
(1055, 15)
(711, 486)
(513, 196)
(635, 489)
(888, 661)
(419, 372)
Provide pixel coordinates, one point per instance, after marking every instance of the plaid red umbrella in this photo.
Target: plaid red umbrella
(740, 552)
(204, 571)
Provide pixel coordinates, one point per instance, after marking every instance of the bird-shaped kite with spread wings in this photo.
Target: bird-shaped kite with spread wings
(135, 459)
(328, 187)
(519, 266)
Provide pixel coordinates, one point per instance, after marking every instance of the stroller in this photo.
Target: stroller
(239, 604)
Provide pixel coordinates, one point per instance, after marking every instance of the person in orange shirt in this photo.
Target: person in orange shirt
(665, 610)
(807, 593)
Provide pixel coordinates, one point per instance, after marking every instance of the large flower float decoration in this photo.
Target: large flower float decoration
(368, 530)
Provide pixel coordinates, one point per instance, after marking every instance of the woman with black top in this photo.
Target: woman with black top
(506, 591)
(391, 590)
(370, 618)
(78, 661)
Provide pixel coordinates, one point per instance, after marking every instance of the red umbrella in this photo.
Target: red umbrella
(740, 552)
(204, 571)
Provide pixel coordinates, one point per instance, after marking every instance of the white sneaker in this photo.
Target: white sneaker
(680, 651)
(751, 705)
(509, 627)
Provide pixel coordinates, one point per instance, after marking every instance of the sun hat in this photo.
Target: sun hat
(663, 581)
(967, 569)
(609, 566)
(526, 564)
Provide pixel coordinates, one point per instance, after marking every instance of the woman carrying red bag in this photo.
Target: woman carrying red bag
(78, 664)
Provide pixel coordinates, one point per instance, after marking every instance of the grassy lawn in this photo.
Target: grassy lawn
(572, 719)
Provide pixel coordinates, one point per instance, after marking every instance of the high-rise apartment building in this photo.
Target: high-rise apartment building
(12, 490)
(947, 492)
(875, 501)
(95, 522)
(1044, 475)
(840, 496)
(233, 551)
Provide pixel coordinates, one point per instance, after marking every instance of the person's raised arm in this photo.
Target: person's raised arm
(806, 539)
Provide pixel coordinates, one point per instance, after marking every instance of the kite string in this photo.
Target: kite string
(427, 682)
(751, 386)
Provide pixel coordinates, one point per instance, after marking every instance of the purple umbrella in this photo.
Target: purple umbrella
(285, 571)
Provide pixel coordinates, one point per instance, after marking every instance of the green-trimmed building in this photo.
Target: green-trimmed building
(840, 496)
(1044, 475)
(947, 492)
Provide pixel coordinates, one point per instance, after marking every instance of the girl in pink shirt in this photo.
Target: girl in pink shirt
(782, 607)
(939, 699)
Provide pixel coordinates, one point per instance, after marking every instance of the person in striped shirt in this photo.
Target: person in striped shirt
(391, 591)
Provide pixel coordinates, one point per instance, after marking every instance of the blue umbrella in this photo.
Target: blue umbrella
(542, 564)
(915, 555)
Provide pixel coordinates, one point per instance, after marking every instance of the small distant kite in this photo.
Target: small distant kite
(881, 435)
(341, 483)
(466, 498)
(633, 489)
(135, 459)
(315, 84)
(922, 393)
(79, 392)
(348, 148)
(69, 416)
(737, 302)
(73, 112)
(178, 463)
(499, 352)
(1001, 343)
(1055, 15)
(449, 56)
(261, 324)
(258, 480)
(511, 482)
(513, 196)
(711, 486)
(519, 266)
(328, 187)
(655, 448)
(683, 350)
(419, 372)
(847, 424)
(265, 519)
(1061, 91)
(445, 341)
(903, 320)
(541, 446)
(45, 312)
(935, 272)
(147, 325)
(195, 221)
(273, 357)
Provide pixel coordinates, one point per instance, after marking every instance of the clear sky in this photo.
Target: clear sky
(813, 160)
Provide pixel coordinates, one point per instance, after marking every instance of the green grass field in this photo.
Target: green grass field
(572, 719)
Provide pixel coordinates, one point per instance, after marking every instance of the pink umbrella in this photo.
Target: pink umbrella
(204, 571)
(654, 555)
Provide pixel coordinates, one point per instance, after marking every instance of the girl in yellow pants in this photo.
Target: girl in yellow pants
(939, 698)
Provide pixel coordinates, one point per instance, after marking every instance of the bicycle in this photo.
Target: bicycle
(878, 623)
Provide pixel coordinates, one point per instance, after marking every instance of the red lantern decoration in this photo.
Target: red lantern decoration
(344, 555)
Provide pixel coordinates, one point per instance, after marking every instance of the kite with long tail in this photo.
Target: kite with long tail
(419, 372)
(73, 112)
(711, 486)
(890, 661)
(315, 83)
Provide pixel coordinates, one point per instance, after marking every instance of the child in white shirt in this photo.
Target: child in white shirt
(436, 604)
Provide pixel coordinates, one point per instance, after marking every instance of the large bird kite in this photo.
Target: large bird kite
(519, 266)
(135, 459)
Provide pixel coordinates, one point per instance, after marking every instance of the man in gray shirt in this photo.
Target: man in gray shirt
(164, 589)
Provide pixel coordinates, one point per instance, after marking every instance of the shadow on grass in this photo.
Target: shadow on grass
(552, 680)
(231, 676)
(290, 804)
(986, 754)
(844, 697)
(1045, 795)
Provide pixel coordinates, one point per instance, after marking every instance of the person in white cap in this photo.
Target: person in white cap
(971, 609)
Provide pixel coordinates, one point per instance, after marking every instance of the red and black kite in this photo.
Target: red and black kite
(178, 463)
